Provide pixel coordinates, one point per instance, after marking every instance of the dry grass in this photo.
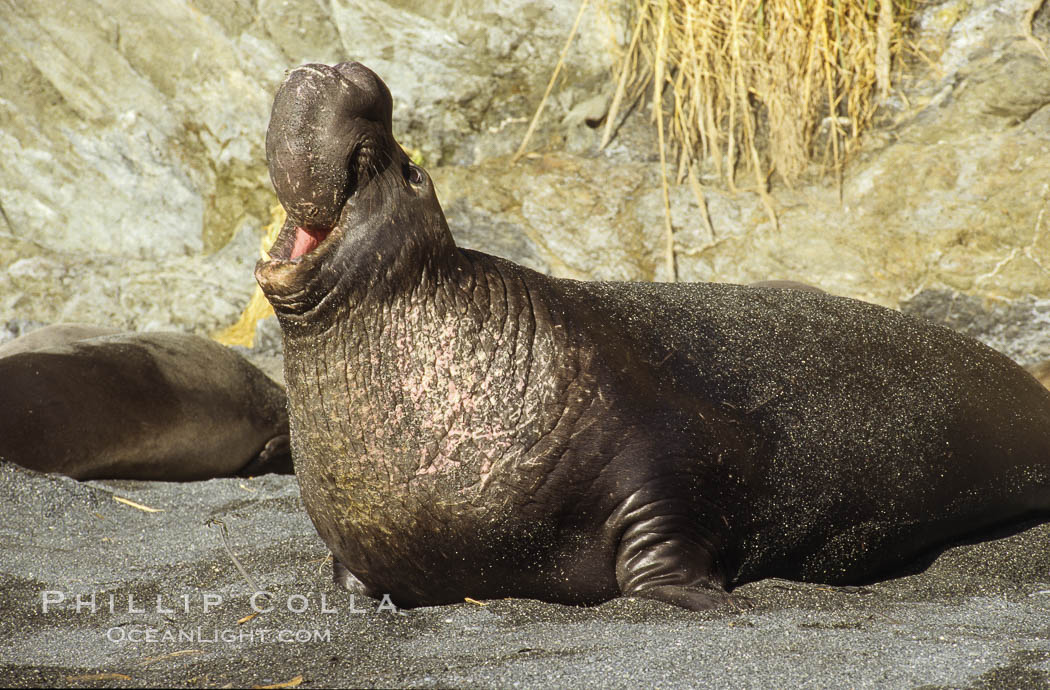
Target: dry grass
(766, 84)
(243, 331)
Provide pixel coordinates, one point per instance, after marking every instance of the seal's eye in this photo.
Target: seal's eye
(413, 174)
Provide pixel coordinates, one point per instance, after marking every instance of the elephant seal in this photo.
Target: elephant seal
(54, 335)
(463, 426)
(165, 406)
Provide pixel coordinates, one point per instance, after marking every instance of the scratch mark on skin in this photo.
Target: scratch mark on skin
(756, 408)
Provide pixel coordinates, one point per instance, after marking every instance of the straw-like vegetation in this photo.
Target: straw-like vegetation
(243, 331)
(770, 84)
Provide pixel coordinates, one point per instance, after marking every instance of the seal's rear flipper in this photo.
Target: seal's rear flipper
(274, 458)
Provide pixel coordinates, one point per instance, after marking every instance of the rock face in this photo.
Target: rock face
(945, 212)
(133, 184)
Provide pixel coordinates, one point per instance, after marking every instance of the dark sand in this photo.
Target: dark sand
(977, 617)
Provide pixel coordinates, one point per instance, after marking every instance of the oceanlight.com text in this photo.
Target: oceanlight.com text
(137, 634)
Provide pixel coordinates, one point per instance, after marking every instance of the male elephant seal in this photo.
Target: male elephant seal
(168, 406)
(463, 426)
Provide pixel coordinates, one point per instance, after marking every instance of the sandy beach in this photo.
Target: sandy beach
(98, 592)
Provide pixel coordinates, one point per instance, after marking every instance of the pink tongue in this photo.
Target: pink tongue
(306, 241)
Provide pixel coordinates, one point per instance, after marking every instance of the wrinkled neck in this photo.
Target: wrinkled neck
(439, 383)
(368, 272)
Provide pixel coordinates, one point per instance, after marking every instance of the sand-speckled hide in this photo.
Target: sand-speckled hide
(464, 426)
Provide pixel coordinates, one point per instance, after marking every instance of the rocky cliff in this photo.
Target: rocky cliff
(133, 185)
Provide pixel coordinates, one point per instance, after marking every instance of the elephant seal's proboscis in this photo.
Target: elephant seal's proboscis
(465, 427)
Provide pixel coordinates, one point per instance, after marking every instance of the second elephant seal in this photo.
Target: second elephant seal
(54, 335)
(165, 406)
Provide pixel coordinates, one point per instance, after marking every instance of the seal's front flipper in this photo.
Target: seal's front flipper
(275, 458)
(662, 556)
(693, 598)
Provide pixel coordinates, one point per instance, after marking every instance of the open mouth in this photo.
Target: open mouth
(296, 243)
(307, 240)
(288, 275)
